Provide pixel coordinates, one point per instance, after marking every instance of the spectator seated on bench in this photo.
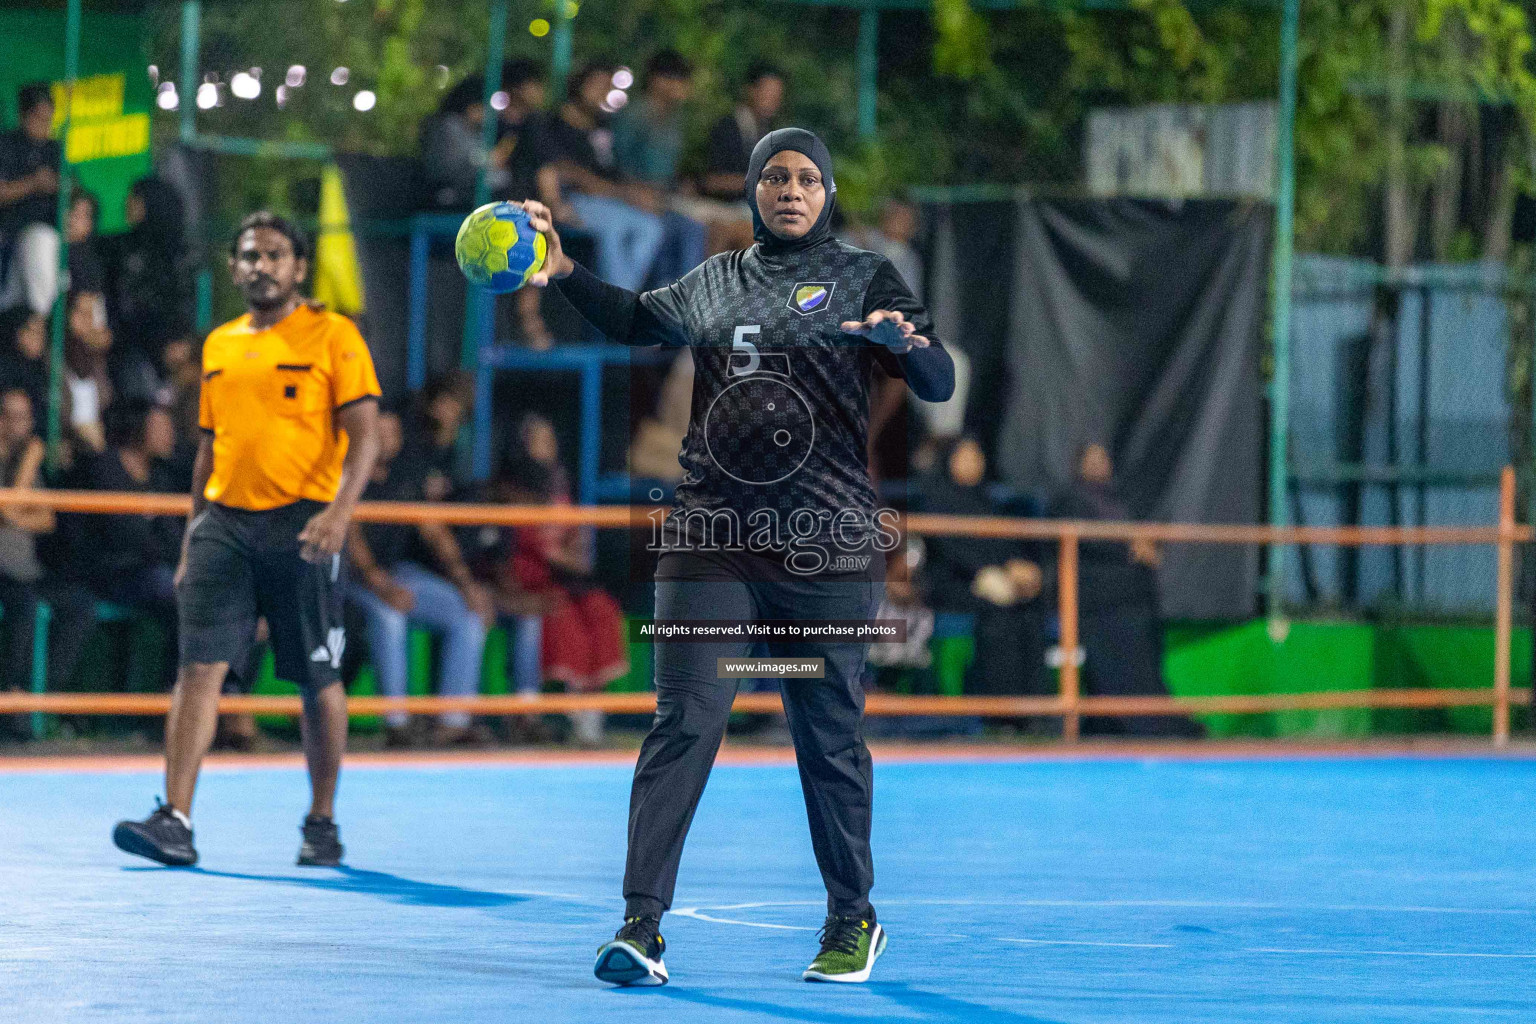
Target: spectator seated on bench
(130, 561)
(546, 571)
(416, 575)
(25, 582)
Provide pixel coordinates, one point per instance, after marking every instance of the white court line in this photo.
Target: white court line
(1391, 952)
(1171, 904)
(1068, 942)
(698, 915)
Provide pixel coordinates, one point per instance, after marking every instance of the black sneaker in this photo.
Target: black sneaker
(161, 837)
(322, 843)
(634, 955)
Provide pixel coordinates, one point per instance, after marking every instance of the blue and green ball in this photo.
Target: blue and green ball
(498, 249)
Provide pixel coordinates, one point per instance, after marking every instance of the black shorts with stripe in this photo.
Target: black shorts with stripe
(244, 565)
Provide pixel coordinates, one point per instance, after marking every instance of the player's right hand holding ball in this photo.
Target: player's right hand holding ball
(556, 263)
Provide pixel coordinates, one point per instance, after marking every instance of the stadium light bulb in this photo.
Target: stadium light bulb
(500, 100)
(245, 86)
(282, 96)
(295, 77)
(154, 74)
(165, 96)
(616, 99)
(207, 96)
(340, 76)
(623, 78)
(365, 100)
(538, 27)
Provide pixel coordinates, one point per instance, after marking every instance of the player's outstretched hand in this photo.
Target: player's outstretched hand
(889, 328)
(556, 263)
(323, 536)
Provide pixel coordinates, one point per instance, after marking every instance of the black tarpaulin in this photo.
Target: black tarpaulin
(1137, 324)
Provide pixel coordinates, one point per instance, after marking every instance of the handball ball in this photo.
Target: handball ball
(498, 249)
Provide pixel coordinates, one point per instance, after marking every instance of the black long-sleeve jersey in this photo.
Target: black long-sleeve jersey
(780, 412)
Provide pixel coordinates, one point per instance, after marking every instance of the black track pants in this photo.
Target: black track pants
(692, 705)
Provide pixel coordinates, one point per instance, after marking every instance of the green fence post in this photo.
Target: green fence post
(56, 341)
(204, 315)
(469, 350)
(40, 625)
(869, 70)
(560, 55)
(191, 44)
(1280, 318)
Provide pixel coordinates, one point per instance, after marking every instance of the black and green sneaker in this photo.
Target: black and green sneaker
(849, 948)
(634, 955)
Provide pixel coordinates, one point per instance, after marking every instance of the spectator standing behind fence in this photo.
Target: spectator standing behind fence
(724, 205)
(1121, 628)
(396, 590)
(150, 291)
(648, 145)
(29, 190)
(621, 216)
(997, 581)
(24, 354)
(23, 581)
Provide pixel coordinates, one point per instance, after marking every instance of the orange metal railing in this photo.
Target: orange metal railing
(1069, 703)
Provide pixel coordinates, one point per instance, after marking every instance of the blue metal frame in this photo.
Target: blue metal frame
(586, 360)
(416, 321)
(424, 227)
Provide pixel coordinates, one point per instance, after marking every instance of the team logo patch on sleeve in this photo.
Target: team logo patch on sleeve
(809, 296)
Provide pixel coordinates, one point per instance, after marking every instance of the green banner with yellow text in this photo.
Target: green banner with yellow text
(108, 140)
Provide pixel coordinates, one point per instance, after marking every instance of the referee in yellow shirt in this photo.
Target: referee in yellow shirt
(288, 409)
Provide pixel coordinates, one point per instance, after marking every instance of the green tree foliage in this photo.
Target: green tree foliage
(1461, 56)
(967, 95)
(957, 104)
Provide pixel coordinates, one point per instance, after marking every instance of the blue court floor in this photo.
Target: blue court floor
(1231, 891)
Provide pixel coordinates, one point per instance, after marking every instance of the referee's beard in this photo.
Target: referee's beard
(266, 294)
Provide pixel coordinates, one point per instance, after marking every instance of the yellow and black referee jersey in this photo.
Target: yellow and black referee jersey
(270, 399)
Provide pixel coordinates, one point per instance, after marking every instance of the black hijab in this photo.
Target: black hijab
(804, 142)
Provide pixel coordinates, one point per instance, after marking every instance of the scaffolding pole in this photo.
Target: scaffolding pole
(191, 43)
(869, 70)
(56, 346)
(1280, 311)
(474, 315)
(560, 55)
